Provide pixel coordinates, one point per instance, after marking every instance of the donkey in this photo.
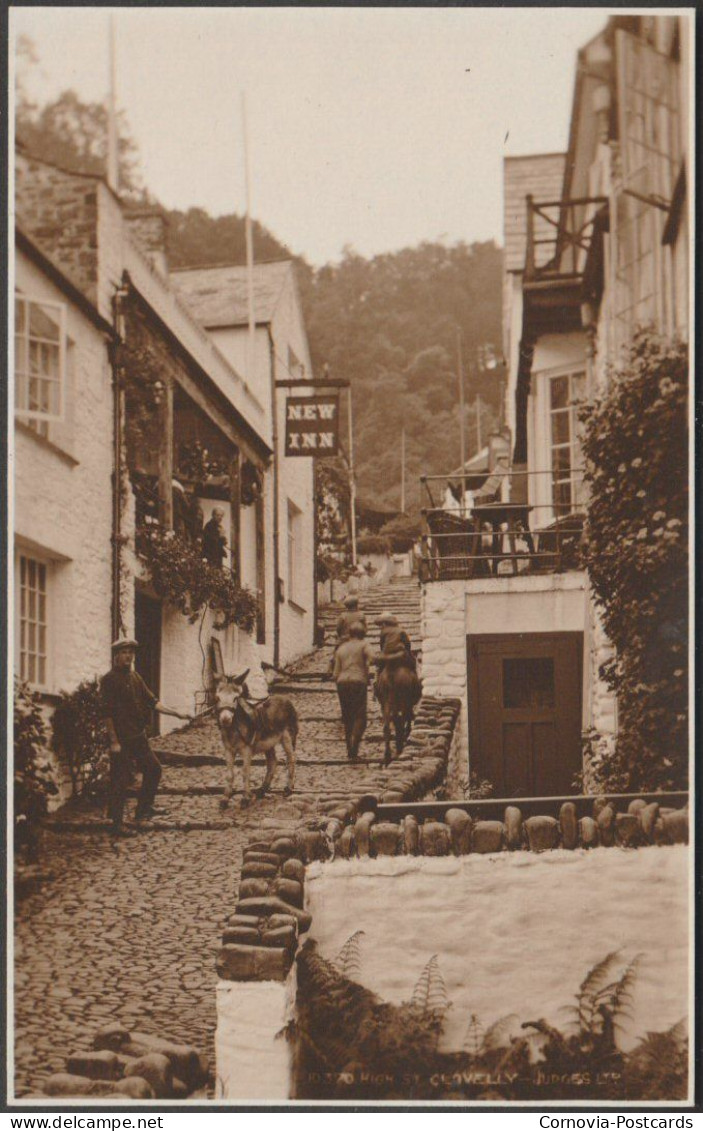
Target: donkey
(249, 729)
(398, 690)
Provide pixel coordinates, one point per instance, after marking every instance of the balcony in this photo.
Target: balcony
(559, 235)
(510, 522)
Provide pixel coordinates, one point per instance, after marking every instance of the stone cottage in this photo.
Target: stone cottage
(595, 243)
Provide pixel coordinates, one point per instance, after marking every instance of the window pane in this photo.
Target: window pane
(559, 388)
(31, 573)
(561, 462)
(20, 314)
(528, 683)
(31, 668)
(42, 323)
(560, 427)
(562, 497)
(41, 670)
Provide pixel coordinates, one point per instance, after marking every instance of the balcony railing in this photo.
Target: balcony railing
(559, 234)
(511, 522)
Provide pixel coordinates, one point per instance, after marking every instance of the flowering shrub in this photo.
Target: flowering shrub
(81, 740)
(636, 552)
(33, 781)
(184, 579)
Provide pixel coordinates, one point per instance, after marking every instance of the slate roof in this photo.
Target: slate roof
(218, 296)
(542, 176)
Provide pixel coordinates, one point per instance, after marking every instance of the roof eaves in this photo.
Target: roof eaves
(44, 261)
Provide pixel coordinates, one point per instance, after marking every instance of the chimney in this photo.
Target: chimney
(148, 229)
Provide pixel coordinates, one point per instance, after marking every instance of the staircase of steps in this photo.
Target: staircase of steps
(401, 596)
(194, 766)
(125, 932)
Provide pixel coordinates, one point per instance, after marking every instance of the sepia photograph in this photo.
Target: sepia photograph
(350, 612)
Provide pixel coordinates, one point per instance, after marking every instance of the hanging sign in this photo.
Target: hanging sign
(312, 426)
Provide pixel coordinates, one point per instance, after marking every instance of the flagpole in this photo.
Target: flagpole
(402, 470)
(352, 484)
(249, 239)
(112, 143)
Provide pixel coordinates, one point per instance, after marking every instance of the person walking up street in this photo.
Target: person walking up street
(395, 644)
(352, 662)
(127, 703)
(351, 615)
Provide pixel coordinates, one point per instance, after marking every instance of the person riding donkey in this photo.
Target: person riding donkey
(396, 648)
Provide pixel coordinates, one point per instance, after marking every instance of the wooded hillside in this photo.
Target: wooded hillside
(388, 324)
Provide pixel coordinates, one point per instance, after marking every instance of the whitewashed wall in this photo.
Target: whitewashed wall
(63, 499)
(453, 610)
(490, 921)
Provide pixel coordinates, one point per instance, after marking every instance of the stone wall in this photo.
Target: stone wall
(60, 210)
(256, 960)
(453, 610)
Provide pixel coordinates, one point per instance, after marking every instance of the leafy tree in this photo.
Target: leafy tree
(636, 445)
(73, 134)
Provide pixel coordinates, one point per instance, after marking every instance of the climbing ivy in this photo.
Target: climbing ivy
(636, 550)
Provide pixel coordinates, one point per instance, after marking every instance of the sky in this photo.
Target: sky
(376, 128)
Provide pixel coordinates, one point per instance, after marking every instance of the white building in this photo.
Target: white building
(62, 477)
(98, 319)
(596, 243)
(218, 298)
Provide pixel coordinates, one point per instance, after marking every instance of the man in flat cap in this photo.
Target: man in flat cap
(351, 615)
(127, 703)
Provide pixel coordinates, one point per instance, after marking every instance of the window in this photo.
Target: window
(565, 392)
(294, 553)
(33, 621)
(528, 684)
(40, 361)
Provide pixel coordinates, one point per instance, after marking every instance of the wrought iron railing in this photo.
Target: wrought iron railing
(510, 522)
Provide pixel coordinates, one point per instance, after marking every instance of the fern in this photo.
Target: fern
(475, 1036)
(430, 993)
(590, 987)
(497, 1035)
(348, 961)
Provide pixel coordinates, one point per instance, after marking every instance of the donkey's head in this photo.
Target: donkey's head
(229, 689)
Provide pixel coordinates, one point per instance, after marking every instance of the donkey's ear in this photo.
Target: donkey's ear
(241, 678)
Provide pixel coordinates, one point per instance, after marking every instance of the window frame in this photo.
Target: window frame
(568, 411)
(41, 562)
(40, 415)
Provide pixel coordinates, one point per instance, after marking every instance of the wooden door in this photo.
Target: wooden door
(147, 629)
(525, 711)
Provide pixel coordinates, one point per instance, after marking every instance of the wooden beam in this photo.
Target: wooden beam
(166, 455)
(261, 569)
(234, 510)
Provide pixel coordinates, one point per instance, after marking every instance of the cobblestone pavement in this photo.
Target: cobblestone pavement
(130, 933)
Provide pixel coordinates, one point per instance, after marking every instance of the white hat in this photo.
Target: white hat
(387, 618)
(124, 642)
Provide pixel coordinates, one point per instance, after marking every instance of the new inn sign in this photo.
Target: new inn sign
(312, 426)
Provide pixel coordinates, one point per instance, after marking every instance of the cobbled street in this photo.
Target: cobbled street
(130, 933)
